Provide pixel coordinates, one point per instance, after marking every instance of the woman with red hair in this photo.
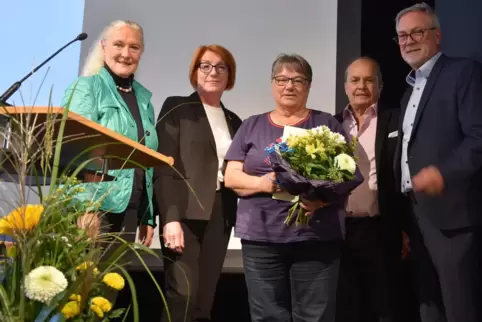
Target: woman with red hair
(196, 211)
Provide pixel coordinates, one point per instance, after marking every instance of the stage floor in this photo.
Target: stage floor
(230, 302)
(233, 263)
(231, 299)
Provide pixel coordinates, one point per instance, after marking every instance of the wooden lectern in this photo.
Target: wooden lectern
(115, 150)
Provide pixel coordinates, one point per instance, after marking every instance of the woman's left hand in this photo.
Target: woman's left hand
(312, 205)
(146, 233)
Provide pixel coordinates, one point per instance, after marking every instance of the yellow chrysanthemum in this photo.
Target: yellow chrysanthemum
(75, 297)
(85, 265)
(97, 310)
(114, 280)
(102, 303)
(71, 309)
(21, 219)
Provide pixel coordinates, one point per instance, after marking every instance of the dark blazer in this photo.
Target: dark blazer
(447, 133)
(185, 134)
(391, 203)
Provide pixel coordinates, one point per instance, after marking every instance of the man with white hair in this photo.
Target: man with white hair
(438, 166)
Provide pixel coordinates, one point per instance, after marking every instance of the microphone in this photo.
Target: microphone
(15, 86)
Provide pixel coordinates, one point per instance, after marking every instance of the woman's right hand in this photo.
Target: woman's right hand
(91, 223)
(173, 236)
(267, 183)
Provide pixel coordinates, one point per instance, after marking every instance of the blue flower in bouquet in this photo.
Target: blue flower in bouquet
(315, 164)
(278, 148)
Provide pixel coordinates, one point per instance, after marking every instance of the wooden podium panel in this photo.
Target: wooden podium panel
(81, 133)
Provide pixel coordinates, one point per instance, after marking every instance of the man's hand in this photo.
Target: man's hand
(146, 233)
(173, 236)
(312, 205)
(428, 180)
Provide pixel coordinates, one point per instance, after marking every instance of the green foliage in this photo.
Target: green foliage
(54, 238)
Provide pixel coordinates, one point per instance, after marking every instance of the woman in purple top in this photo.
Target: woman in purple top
(291, 272)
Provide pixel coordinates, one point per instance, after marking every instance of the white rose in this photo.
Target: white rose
(345, 162)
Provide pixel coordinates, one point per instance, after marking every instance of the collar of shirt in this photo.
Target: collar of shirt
(423, 71)
(371, 110)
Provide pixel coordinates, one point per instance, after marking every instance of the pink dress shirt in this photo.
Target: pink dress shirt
(363, 201)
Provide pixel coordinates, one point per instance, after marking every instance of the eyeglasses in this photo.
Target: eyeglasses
(206, 68)
(416, 36)
(296, 81)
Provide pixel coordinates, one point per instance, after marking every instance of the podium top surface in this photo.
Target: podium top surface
(81, 133)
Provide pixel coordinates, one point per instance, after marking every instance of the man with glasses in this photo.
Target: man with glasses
(438, 166)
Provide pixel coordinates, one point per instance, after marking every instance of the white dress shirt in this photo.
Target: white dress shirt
(417, 79)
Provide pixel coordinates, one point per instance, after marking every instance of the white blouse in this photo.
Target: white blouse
(222, 137)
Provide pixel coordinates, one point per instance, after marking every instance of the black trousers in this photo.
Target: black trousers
(191, 277)
(368, 273)
(125, 222)
(448, 270)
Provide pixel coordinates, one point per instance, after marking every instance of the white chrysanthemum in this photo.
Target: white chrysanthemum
(44, 283)
(345, 162)
(338, 138)
(321, 129)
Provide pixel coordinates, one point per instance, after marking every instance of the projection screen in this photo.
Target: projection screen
(254, 31)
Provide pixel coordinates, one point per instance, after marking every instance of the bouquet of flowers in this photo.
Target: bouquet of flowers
(315, 164)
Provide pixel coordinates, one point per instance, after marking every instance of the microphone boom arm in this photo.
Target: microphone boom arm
(15, 86)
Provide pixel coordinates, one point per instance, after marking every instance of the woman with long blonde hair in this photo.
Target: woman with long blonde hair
(107, 93)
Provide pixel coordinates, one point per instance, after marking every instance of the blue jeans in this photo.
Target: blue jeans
(293, 281)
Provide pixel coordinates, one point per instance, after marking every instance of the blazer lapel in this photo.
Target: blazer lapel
(398, 148)
(381, 135)
(201, 116)
(113, 89)
(229, 120)
(432, 79)
(143, 96)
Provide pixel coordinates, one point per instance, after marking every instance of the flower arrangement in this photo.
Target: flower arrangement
(55, 268)
(316, 164)
(50, 269)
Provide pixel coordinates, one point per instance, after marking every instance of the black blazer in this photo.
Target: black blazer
(391, 203)
(185, 134)
(447, 133)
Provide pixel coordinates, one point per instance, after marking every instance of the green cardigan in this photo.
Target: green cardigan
(96, 98)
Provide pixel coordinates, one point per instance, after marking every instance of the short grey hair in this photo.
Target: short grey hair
(294, 62)
(419, 7)
(375, 64)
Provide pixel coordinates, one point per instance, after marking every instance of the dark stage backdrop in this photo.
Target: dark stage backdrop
(376, 40)
(461, 23)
